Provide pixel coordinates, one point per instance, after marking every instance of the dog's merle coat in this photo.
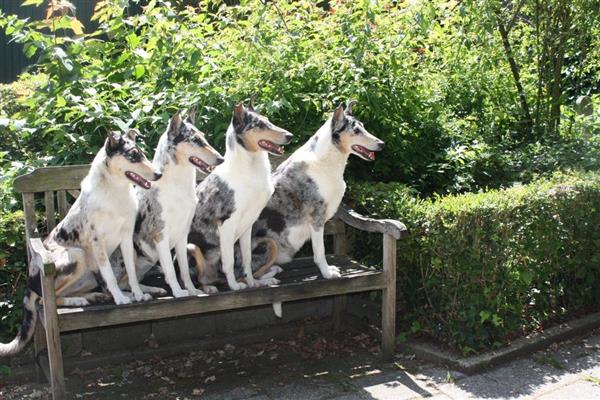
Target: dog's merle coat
(165, 212)
(309, 187)
(231, 198)
(101, 219)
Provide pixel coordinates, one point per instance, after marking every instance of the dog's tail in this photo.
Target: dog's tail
(27, 325)
(196, 260)
(273, 252)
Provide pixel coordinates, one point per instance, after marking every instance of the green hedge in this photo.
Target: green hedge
(481, 269)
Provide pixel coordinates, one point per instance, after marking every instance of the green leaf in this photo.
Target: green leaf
(60, 101)
(485, 316)
(139, 71)
(30, 50)
(31, 2)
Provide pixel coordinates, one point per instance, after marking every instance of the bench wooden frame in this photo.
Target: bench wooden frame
(61, 182)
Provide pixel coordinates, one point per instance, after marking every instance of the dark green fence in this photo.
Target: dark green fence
(12, 60)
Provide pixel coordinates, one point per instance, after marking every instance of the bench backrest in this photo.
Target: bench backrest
(54, 189)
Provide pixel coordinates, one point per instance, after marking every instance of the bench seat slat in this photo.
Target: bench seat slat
(355, 278)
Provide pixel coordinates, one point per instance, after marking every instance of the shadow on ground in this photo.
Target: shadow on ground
(342, 367)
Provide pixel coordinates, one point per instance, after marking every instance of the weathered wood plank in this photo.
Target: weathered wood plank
(63, 206)
(339, 309)
(37, 248)
(55, 359)
(385, 226)
(50, 211)
(388, 307)
(29, 211)
(339, 239)
(106, 315)
(51, 179)
(74, 193)
(39, 345)
(334, 227)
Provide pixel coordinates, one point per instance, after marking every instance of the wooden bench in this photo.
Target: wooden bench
(53, 189)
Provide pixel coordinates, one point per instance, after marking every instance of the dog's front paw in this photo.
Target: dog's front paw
(331, 272)
(195, 292)
(238, 286)
(140, 296)
(122, 299)
(180, 293)
(210, 289)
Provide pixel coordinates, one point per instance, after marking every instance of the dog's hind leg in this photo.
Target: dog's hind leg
(184, 268)
(318, 245)
(196, 260)
(274, 270)
(153, 290)
(166, 263)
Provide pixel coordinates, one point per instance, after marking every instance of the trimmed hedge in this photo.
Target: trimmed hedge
(481, 269)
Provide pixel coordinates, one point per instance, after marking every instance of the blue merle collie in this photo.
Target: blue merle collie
(309, 187)
(232, 197)
(101, 219)
(166, 210)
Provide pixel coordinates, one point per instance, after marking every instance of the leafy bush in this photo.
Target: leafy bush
(420, 72)
(482, 268)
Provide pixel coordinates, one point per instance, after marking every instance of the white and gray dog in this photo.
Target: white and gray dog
(232, 197)
(101, 219)
(166, 210)
(309, 187)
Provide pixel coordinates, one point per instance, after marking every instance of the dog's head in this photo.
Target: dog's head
(350, 136)
(189, 143)
(254, 132)
(125, 158)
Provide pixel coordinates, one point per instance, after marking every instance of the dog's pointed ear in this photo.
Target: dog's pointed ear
(113, 140)
(174, 124)
(349, 107)
(251, 102)
(192, 115)
(239, 116)
(338, 116)
(132, 133)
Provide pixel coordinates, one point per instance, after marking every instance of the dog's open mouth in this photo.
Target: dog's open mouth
(270, 147)
(137, 179)
(364, 152)
(204, 167)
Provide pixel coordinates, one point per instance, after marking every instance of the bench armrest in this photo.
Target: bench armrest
(41, 256)
(390, 227)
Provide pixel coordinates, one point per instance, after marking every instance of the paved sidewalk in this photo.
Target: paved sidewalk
(340, 368)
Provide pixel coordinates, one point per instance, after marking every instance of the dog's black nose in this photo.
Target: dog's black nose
(288, 137)
(380, 144)
(157, 176)
(219, 160)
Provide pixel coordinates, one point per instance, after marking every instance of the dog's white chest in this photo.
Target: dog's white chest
(117, 217)
(331, 187)
(178, 208)
(250, 201)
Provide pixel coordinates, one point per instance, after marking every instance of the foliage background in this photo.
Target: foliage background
(467, 95)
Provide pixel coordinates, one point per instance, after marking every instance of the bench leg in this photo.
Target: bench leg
(339, 308)
(39, 345)
(388, 307)
(55, 360)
